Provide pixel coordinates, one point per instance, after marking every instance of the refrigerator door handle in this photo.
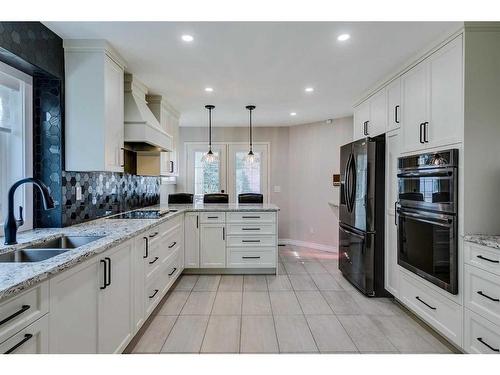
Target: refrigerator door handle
(347, 183)
(353, 185)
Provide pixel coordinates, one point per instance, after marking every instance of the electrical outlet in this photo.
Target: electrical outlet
(78, 193)
(277, 189)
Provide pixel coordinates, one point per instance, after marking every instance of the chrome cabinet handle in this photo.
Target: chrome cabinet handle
(154, 260)
(154, 294)
(26, 338)
(480, 292)
(173, 271)
(487, 259)
(480, 339)
(18, 312)
(425, 303)
(172, 245)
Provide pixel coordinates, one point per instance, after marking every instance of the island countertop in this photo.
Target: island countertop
(17, 277)
(484, 240)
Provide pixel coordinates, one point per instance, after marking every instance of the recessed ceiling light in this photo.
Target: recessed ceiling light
(309, 89)
(343, 37)
(293, 114)
(209, 89)
(187, 38)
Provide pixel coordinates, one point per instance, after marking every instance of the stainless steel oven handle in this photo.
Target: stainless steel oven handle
(426, 218)
(444, 172)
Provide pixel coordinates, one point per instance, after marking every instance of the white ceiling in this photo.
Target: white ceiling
(263, 63)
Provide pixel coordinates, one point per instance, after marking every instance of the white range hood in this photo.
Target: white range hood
(142, 130)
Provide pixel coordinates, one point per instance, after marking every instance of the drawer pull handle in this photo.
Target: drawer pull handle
(27, 336)
(487, 259)
(154, 260)
(212, 217)
(425, 303)
(250, 228)
(154, 294)
(487, 296)
(244, 257)
(172, 245)
(18, 312)
(252, 241)
(480, 339)
(153, 234)
(147, 248)
(251, 217)
(173, 271)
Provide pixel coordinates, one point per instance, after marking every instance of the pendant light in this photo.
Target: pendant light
(209, 157)
(250, 158)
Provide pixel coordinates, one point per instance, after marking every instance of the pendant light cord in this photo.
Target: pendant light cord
(209, 107)
(251, 143)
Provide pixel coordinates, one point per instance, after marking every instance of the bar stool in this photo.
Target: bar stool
(180, 198)
(216, 198)
(250, 198)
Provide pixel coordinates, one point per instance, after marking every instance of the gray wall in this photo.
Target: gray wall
(303, 159)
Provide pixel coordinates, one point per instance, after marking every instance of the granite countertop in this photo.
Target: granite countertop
(484, 239)
(16, 277)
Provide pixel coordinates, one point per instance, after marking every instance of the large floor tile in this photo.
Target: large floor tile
(302, 282)
(365, 334)
(207, 283)
(294, 335)
(342, 302)
(325, 281)
(295, 268)
(258, 334)
(186, 335)
(155, 335)
(255, 283)
(199, 303)
(278, 283)
(174, 303)
(329, 334)
(256, 303)
(231, 283)
(281, 269)
(186, 283)
(285, 303)
(374, 306)
(314, 267)
(313, 303)
(222, 335)
(227, 303)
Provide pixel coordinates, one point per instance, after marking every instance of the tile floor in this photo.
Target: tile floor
(308, 308)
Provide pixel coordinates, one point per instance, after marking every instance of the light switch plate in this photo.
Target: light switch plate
(277, 189)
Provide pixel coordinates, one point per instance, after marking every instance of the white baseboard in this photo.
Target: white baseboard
(312, 245)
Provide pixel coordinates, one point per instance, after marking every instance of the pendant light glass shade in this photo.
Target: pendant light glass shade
(251, 158)
(209, 157)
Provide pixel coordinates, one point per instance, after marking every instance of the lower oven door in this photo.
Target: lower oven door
(356, 258)
(427, 246)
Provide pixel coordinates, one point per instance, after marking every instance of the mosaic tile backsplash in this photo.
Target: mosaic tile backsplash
(104, 193)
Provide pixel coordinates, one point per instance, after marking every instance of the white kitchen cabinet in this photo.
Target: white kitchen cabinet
(33, 339)
(391, 280)
(115, 299)
(73, 309)
(138, 271)
(361, 116)
(370, 117)
(481, 336)
(94, 107)
(192, 240)
(213, 245)
(432, 99)
(392, 152)
(394, 105)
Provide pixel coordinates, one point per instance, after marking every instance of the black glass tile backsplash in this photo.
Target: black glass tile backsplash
(104, 193)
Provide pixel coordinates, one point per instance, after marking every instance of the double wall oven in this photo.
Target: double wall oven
(427, 217)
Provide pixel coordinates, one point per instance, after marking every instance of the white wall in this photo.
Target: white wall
(303, 159)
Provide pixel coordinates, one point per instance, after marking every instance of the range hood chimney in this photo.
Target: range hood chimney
(142, 130)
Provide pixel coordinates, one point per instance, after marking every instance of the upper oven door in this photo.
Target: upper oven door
(427, 246)
(432, 189)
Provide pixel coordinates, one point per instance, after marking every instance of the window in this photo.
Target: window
(15, 140)
(247, 176)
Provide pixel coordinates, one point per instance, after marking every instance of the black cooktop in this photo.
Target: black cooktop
(142, 214)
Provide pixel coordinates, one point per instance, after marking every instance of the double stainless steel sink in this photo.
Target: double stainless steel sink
(47, 249)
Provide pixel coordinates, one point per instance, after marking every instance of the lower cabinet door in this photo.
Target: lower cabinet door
(73, 310)
(192, 240)
(481, 335)
(213, 246)
(115, 300)
(33, 339)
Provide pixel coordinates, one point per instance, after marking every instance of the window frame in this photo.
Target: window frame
(24, 196)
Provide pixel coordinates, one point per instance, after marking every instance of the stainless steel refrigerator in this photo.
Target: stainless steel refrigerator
(361, 214)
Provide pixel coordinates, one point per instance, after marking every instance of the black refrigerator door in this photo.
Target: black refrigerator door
(345, 161)
(356, 257)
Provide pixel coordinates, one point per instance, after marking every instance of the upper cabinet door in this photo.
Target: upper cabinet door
(394, 105)
(377, 123)
(414, 89)
(445, 121)
(361, 116)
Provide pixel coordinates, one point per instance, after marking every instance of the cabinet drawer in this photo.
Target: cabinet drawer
(251, 229)
(23, 309)
(153, 262)
(482, 257)
(171, 271)
(481, 336)
(482, 293)
(440, 312)
(169, 242)
(250, 258)
(251, 241)
(152, 294)
(33, 339)
(250, 217)
(212, 217)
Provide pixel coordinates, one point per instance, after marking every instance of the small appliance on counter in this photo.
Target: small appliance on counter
(427, 217)
(361, 210)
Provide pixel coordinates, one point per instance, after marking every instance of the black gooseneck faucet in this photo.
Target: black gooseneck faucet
(11, 224)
